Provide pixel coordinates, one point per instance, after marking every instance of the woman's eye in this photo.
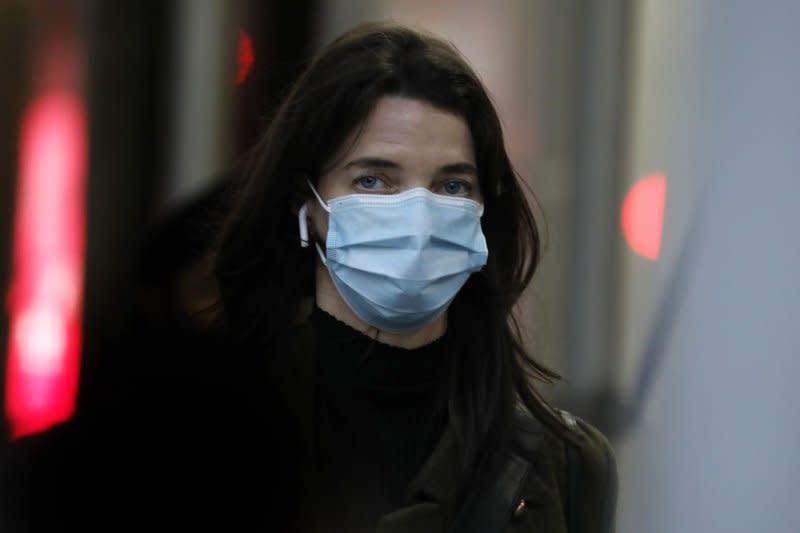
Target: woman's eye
(456, 187)
(370, 182)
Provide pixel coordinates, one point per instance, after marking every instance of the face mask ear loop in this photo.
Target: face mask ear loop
(321, 255)
(303, 222)
(319, 199)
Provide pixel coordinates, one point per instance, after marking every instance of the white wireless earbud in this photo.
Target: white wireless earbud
(303, 222)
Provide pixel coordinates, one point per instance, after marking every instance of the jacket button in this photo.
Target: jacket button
(521, 509)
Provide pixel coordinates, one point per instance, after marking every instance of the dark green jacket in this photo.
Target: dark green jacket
(532, 493)
(538, 490)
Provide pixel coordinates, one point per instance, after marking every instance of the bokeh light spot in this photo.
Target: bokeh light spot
(643, 215)
(246, 57)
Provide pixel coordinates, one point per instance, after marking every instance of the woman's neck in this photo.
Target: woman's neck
(329, 300)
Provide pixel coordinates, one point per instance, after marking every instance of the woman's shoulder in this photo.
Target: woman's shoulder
(536, 437)
(591, 470)
(593, 448)
(574, 467)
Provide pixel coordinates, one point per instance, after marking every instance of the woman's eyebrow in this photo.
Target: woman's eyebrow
(376, 162)
(459, 168)
(371, 162)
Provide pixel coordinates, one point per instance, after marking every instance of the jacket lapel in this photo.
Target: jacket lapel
(428, 492)
(490, 509)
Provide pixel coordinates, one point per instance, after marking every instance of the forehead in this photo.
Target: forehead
(412, 131)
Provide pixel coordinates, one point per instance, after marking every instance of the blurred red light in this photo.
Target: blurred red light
(246, 57)
(643, 215)
(48, 253)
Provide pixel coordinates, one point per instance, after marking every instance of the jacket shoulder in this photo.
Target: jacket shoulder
(572, 482)
(591, 475)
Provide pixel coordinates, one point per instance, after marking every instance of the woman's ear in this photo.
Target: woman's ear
(299, 195)
(297, 203)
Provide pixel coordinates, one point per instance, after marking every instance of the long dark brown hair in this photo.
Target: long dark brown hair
(264, 274)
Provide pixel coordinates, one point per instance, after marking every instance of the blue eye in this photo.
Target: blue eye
(369, 182)
(456, 187)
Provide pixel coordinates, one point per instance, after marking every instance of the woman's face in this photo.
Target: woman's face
(404, 144)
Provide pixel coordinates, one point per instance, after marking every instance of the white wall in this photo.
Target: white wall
(716, 103)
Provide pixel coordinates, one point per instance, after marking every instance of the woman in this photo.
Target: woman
(375, 253)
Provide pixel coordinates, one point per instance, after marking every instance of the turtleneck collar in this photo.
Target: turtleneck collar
(349, 358)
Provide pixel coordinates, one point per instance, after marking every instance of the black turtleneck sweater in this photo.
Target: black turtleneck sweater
(375, 421)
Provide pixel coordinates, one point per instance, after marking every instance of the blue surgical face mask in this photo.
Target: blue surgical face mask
(398, 260)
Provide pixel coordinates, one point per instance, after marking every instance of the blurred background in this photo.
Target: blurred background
(662, 140)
